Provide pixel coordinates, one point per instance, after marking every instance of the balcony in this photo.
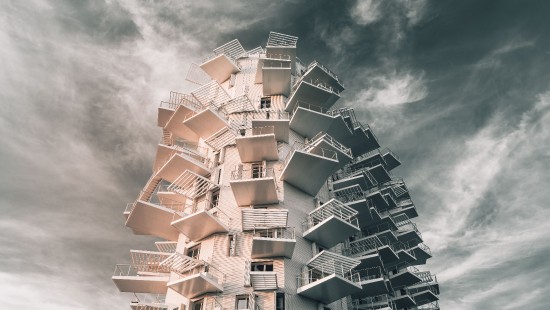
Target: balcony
(179, 163)
(266, 218)
(308, 120)
(346, 178)
(259, 278)
(277, 119)
(403, 300)
(404, 275)
(421, 251)
(382, 230)
(255, 186)
(317, 72)
(405, 253)
(146, 218)
(372, 245)
(145, 275)
(201, 220)
(405, 207)
(183, 103)
(222, 63)
(407, 232)
(427, 291)
(380, 302)
(391, 159)
(193, 153)
(273, 242)
(373, 282)
(363, 139)
(308, 90)
(330, 224)
(282, 44)
(308, 166)
(276, 74)
(257, 144)
(325, 141)
(198, 281)
(150, 302)
(329, 278)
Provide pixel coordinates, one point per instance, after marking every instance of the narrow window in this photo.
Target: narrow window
(257, 170)
(198, 305)
(242, 302)
(231, 245)
(232, 80)
(265, 103)
(280, 301)
(215, 199)
(194, 251)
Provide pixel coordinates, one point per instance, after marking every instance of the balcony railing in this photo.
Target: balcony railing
(370, 273)
(372, 303)
(275, 233)
(309, 106)
(191, 185)
(277, 56)
(311, 149)
(367, 244)
(331, 208)
(130, 270)
(317, 84)
(330, 140)
(326, 70)
(254, 173)
(276, 39)
(312, 275)
(256, 131)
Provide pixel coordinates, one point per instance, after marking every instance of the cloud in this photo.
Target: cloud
(366, 12)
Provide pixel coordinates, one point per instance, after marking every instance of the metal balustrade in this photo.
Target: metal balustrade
(321, 136)
(276, 39)
(331, 208)
(275, 232)
(311, 149)
(367, 244)
(256, 131)
(312, 275)
(191, 185)
(372, 303)
(253, 173)
(326, 70)
(370, 273)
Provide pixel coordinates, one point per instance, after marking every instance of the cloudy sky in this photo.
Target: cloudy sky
(459, 89)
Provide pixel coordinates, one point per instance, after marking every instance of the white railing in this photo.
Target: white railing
(370, 273)
(191, 185)
(253, 173)
(311, 149)
(276, 39)
(277, 56)
(206, 270)
(275, 233)
(256, 131)
(331, 267)
(331, 208)
(326, 70)
(372, 303)
(333, 142)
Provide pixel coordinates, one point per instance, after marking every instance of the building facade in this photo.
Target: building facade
(266, 197)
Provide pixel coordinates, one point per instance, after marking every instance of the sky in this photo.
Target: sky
(458, 89)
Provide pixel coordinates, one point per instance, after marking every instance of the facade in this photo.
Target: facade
(266, 197)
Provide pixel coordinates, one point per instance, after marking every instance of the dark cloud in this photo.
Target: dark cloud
(459, 89)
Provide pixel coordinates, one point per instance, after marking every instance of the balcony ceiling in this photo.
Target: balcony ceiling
(151, 219)
(220, 68)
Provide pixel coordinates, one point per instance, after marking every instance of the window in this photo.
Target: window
(194, 251)
(241, 302)
(261, 266)
(232, 80)
(280, 301)
(215, 198)
(198, 305)
(265, 103)
(257, 170)
(232, 245)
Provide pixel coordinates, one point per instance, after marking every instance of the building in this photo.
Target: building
(267, 197)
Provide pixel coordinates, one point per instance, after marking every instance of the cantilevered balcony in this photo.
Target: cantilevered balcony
(380, 302)
(183, 103)
(257, 144)
(331, 223)
(197, 281)
(178, 163)
(222, 63)
(150, 302)
(405, 253)
(254, 186)
(372, 245)
(384, 157)
(309, 119)
(407, 232)
(276, 74)
(421, 252)
(193, 153)
(273, 242)
(202, 219)
(404, 275)
(329, 278)
(325, 141)
(144, 275)
(373, 283)
(363, 139)
(425, 292)
(405, 206)
(282, 44)
(307, 166)
(277, 119)
(403, 299)
(317, 72)
(308, 90)
(147, 218)
(345, 178)
(381, 230)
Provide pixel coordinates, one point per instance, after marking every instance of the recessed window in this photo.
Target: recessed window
(265, 103)
(261, 266)
(257, 170)
(280, 301)
(232, 245)
(194, 251)
(198, 305)
(242, 302)
(215, 198)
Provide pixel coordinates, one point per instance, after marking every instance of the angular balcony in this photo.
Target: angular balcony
(425, 292)
(282, 44)
(404, 275)
(308, 120)
(308, 90)
(405, 253)
(407, 232)
(307, 167)
(373, 283)
(197, 281)
(276, 74)
(166, 246)
(278, 119)
(173, 113)
(391, 159)
(191, 185)
(317, 72)
(273, 242)
(345, 177)
(266, 218)
(260, 277)
(257, 144)
(147, 218)
(406, 207)
(363, 139)
(144, 275)
(372, 245)
(325, 141)
(330, 224)
(150, 302)
(421, 252)
(194, 154)
(402, 299)
(255, 186)
(222, 63)
(329, 278)
(381, 230)
(380, 302)
(202, 219)
(179, 163)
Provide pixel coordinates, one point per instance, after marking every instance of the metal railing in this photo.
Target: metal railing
(326, 70)
(388, 151)
(370, 273)
(312, 275)
(206, 270)
(277, 56)
(372, 303)
(279, 65)
(331, 208)
(311, 149)
(129, 270)
(256, 131)
(309, 106)
(253, 173)
(333, 142)
(275, 233)
(317, 83)
(366, 245)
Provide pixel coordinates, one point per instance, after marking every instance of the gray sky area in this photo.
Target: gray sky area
(459, 89)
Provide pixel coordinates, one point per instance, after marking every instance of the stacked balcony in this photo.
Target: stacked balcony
(257, 144)
(282, 44)
(150, 302)
(421, 252)
(373, 283)
(325, 141)
(197, 281)
(379, 302)
(277, 119)
(372, 245)
(254, 186)
(309, 119)
(402, 299)
(148, 218)
(427, 291)
(223, 61)
(273, 242)
(144, 275)
(329, 277)
(275, 72)
(330, 224)
(172, 160)
(317, 72)
(202, 220)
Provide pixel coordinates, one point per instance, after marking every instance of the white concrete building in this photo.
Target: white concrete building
(267, 198)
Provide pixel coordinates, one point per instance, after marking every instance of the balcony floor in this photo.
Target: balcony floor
(309, 93)
(272, 247)
(372, 287)
(254, 191)
(141, 284)
(199, 225)
(195, 285)
(404, 278)
(330, 232)
(280, 125)
(308, 172)
(150, 219)
(404, 301)
(329, 289)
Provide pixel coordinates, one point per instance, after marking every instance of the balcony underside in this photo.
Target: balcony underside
(380, 174)
(206, 123)
(308, 172)
(405, 256)
(316, 73)
(141, 284)
(310, 93)
(308, 123)
(409, 210)
(178, 164)
(329, 289)
(424, 297)
(199, 225)
(404, 278)
(358, 179)
(149, 219)
(272, 247)
(372, 287)
(404, 301)
(330, 232)
(361, 142)
(254, 191)
(276, 81)
(164, 115)
(391, 161)
(378, 200)
(279, 125)
(409, 237)
(176, 126)
(421, 256)
(196, 285)
(263, 280)
(220, 68)
(257, 148)
(369, 261)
